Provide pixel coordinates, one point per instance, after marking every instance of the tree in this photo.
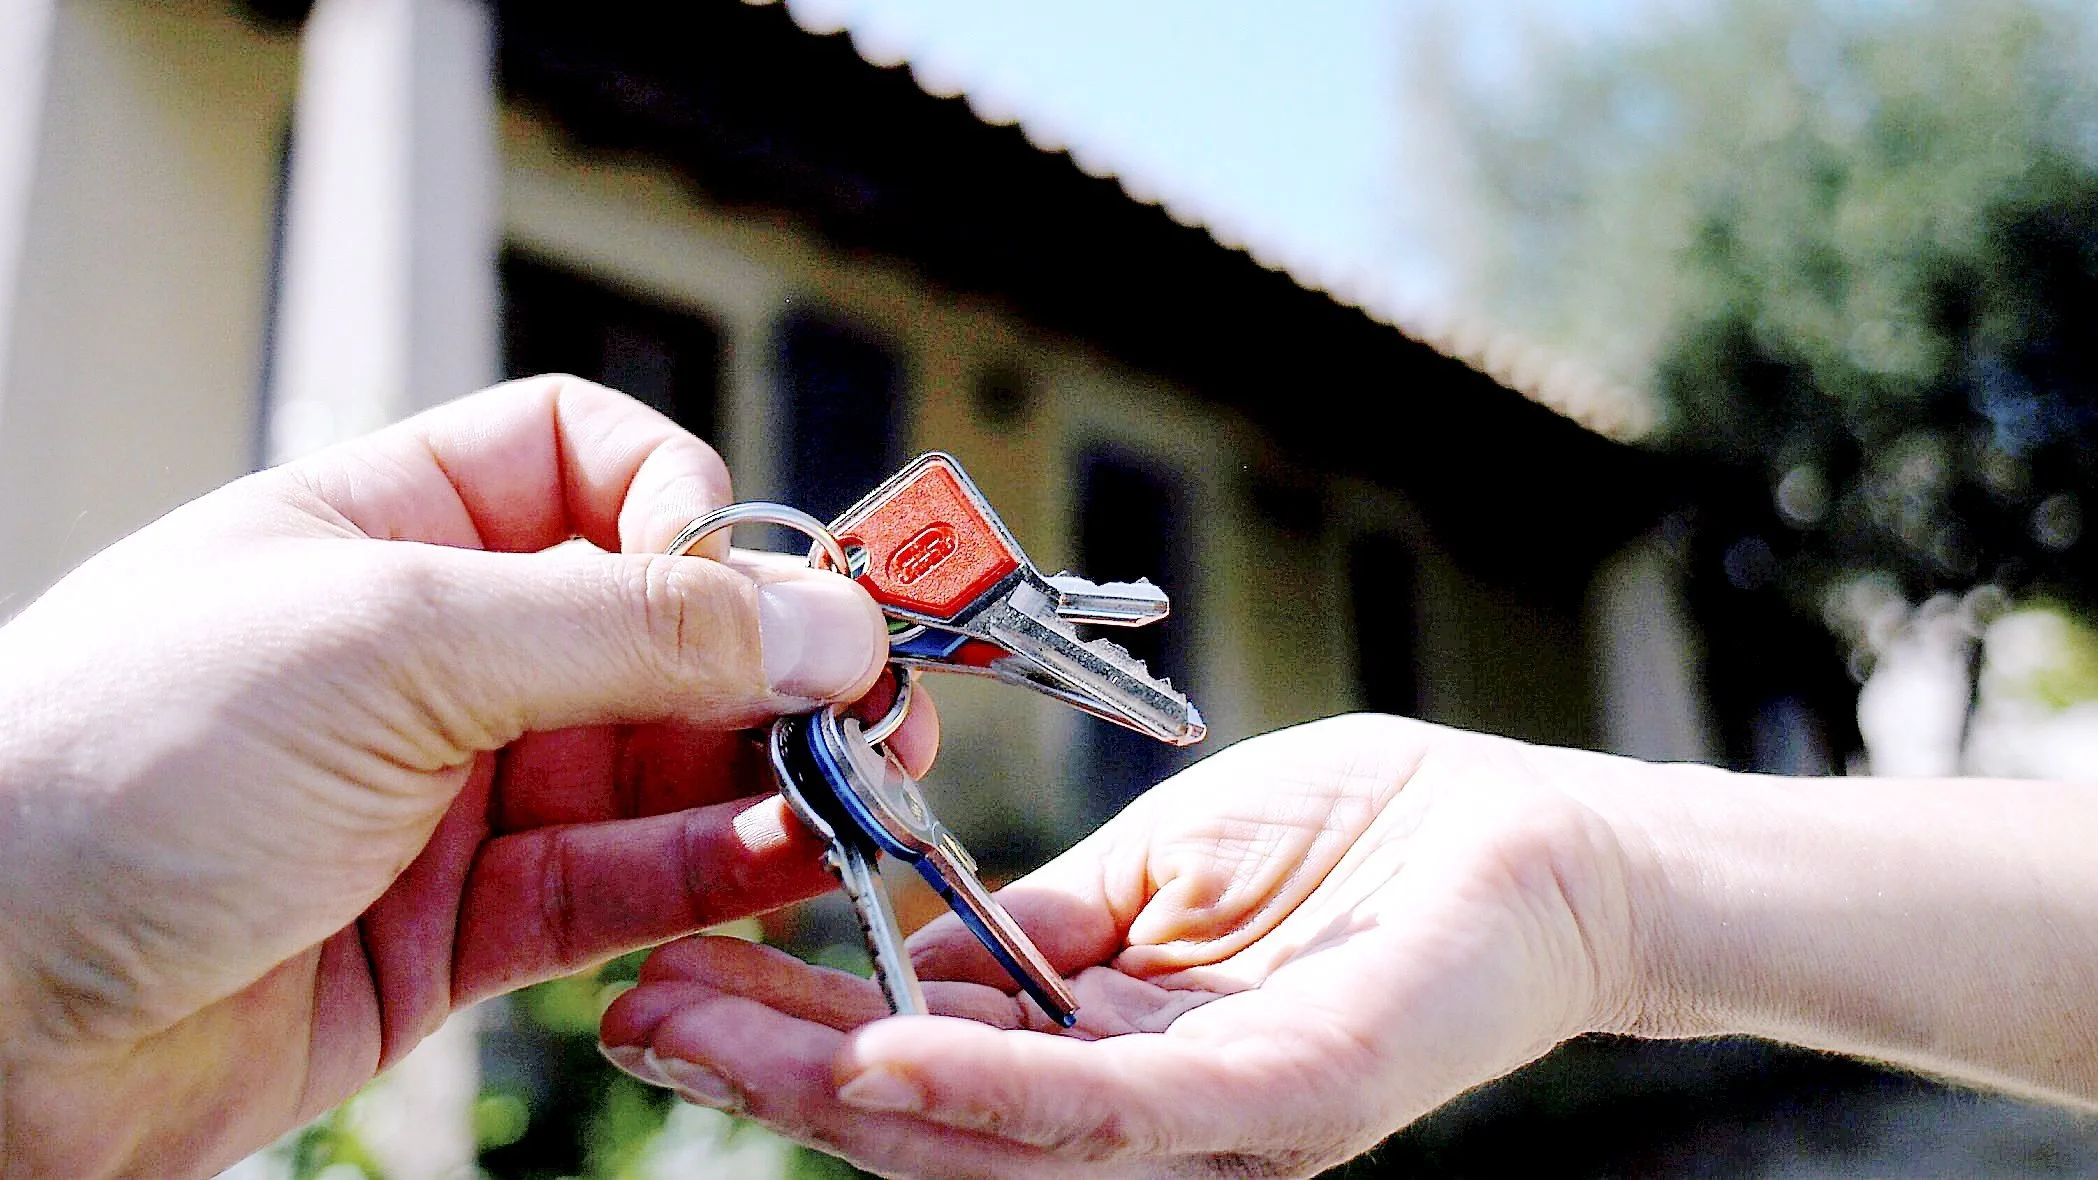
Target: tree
(1852, 248)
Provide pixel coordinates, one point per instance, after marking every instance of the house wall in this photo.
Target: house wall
(1271, 616)
(132, 385)
(128, 365)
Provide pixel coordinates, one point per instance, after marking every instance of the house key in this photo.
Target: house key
(933, 553)
(879, 800)
(852, 858)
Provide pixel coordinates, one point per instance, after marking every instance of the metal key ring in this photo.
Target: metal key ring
(759, 512)
(891, 721)
(767, 512)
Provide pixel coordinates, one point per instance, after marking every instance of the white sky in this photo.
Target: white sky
(1283, 127)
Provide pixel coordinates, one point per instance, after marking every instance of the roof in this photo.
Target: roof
(757, 112)
(1539, 372)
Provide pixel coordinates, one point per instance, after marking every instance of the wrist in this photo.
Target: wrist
(1671, 967)
(1946, 925)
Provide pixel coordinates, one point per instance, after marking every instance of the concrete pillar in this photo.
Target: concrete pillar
(389, 300)
(388, 305)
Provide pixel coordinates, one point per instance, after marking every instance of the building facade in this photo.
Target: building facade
(233, 232)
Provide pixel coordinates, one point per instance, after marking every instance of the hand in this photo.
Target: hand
(1281, 956)
(295, 771)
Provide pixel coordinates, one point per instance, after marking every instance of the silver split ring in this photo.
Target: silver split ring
(759, 512)
(891, 721)
(826, 546)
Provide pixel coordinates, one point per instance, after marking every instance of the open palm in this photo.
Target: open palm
(1281, 955)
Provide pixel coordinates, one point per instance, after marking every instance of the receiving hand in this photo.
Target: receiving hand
(1281, 955)
(297, 770)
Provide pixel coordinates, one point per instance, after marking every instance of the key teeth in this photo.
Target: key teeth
(1106, 588)
(1116, 653)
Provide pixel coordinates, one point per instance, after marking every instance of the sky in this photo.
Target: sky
(1285, 128)
(1273, 124)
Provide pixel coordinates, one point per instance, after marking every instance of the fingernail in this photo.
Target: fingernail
(697, 1084)
(636, 1062)
(817, 638)
(881, 1089)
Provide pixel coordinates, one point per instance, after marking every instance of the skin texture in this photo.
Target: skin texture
(297, 770)
(1315, 937)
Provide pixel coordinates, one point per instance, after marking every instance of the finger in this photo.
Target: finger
(492, 646)
(524, 466)
(591, 774)
(732, 1053)
(1136, 1097)
(916, 743)
(552, 900)
(836, 999)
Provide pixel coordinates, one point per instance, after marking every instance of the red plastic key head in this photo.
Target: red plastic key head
(933, 546)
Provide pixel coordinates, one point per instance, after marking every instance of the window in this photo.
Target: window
(841, 395)
(557, 321)
(1382, 590)
(1133, 522)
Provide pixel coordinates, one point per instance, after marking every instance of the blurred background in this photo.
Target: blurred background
(1693, 381)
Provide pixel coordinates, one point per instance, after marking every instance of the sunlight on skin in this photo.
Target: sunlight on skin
(384, 743)
(1315, 937)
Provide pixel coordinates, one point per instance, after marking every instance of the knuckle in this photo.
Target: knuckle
(698, 622)
(556, 908)
(379, 598)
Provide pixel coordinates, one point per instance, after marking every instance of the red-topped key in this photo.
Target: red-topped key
(932, 544)
(932, 551)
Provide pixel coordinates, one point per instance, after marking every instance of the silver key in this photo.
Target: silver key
(851, 857)
(1111, 604)
(884, 801)
(931, 550)
(1104, 679)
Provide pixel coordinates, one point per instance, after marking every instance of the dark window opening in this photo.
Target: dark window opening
(1003, 396)
(1382, 591)
(842, 409)
(557, 321)
(1133, 522)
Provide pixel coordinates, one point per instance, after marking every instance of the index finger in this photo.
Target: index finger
(524, 466)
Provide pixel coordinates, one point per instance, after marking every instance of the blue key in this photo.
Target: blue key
(881, 799)
(852, 858)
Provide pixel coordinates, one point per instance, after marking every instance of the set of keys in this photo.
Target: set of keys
(961, 595)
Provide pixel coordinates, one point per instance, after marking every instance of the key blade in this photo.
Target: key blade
(1097, 676)
(934, 547)
(855, 869)
(1110, 604)
(882, 806)
(994, 927)
(851, 859)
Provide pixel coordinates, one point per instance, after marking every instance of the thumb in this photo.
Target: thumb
(505, 643)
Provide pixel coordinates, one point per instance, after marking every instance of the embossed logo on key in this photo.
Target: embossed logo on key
(923, 553)
(929, 548)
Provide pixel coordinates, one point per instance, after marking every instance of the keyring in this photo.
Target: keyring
(759, 512)
(891, 721)
(826, 546)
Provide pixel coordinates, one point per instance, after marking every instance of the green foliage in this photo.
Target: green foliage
(592, 1122)
(1853, 247)
(328, 1148)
